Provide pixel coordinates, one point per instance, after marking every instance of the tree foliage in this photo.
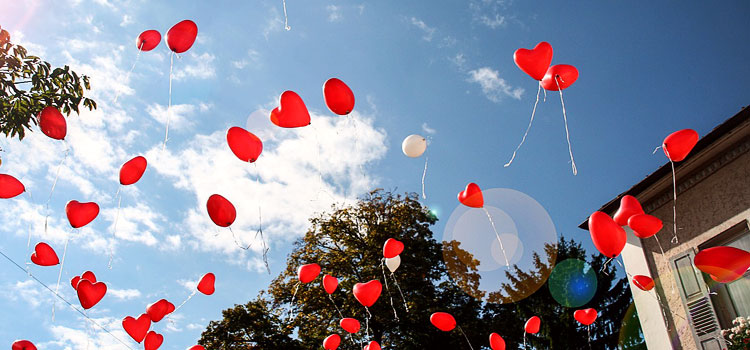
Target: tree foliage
(28, 84)
(347, 243)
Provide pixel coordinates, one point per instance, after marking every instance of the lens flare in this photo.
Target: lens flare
(572, 283)
(506, 263)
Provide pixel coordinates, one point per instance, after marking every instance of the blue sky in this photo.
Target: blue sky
(437, 68)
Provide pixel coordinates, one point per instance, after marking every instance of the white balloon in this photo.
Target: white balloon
(393, 263)
(414, 145)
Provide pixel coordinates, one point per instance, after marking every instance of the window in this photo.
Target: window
(731, 300)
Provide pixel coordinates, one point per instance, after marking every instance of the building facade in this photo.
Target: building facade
(687, 309)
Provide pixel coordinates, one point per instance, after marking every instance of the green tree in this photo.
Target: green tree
(347, 243)
(28, 84)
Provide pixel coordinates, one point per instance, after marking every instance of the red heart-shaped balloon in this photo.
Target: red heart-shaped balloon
(565, 75)
(392, 247)
(471, 196)
(159, 309)
(246, 146)
(44, 255)
(532, 325)
(153, 341)
(291, 112)
(373, 345)
(678, 144)
(137, 328)
(534, 62)
(332, 342)
(330, 283)
(586, 316)
(196, 347)
(132, 170)
(52, 123)
(629, 206)
(88, 275)
(643, 282)
(148, 40)
(338, 96)
(350, 325)
(308, 272)
(497, 342)
(22, 345)
(10, 186)
(220, 210)
(367, 293)
(443, 321)
(609, 238)
(644, 225)
(81, 214)
(724, 264)
(182, 36)
(206, 284)
(89, 294)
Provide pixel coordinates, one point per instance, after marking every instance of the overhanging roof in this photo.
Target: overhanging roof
(665, 170)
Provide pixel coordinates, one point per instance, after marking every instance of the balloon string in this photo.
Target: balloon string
(663, 257)
(237, 242)
(656, 149)
(127, 76)
(114, 229)
(588, 330)
(260, 221)
(524, 339)
(533, 112)
(395, 281)
(662, 307)
(66, 301)
(367, 322)
(169, 105)
(54, 184)
(291, 304)
(467, 338)
(492, 222)
(59, 275)
(336, 306)
(424, 174)
(382, 267)
(675, 240)
(185, 301)
(286, 18)
(567, 133)
(604, 267)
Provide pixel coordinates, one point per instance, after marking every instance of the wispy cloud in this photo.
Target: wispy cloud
(334, 13)
(428, 32)
(493, 86)
(201, 67)
(489, 13)
(252, 58)
(428, 130)
(124, 294)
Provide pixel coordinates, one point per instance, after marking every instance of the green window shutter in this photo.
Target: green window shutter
(697, 302)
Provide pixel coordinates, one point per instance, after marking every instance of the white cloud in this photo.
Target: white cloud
(289, 190)
(428, 32)
(201, 67)
(179, 118)
(493, 86)
(93, 337)
(334, 13)
(489, 12)
(124, 294)
(252, 58)
(126, 20)
(428, 130)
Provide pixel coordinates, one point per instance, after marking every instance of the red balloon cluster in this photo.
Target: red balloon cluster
(332, 342)
(497, 342)
(532, 325)
(644, 283)
(153, 341)
(536, 63)
(90, 293)
(678, 144)
(137, 328)
(308, 272)
(291, 112)
(330, 284)
(220, 210)
(88, 275)
(157, 310)
(338, 96)
(392, 248)
(148, 40)
(629, 206)
(132, 170)
(373, 345)
(350, 325)
(181, 36)
(244, 144)
(22, 345)
(367, 293)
